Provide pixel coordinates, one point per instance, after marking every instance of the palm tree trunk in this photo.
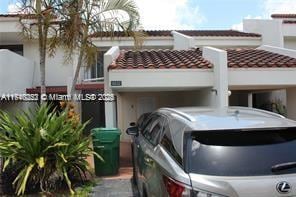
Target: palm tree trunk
(42, 75)
(81, 50)
(80, 61)
(77, 71)
(42, 50)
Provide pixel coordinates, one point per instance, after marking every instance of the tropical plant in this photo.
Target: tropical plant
(85, 18)
(44, 148)
(72, 111)
(275, 106)
(39, 21)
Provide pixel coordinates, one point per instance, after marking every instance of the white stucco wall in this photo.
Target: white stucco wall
(227, 42)
(182, 42)
(155, 42)
(16, 73)
(271, 30)
(261, 78)
(57, 70)
(289, 29)
(10, 31)
(179, 41)
(290, 42)
(161, 79)
(10, 24)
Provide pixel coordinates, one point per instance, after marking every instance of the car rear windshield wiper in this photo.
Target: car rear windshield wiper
(283, 166)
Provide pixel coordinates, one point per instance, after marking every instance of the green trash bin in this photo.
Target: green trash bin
(106, 143)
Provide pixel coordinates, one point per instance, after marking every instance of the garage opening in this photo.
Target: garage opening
(270, 100)
(131, 105)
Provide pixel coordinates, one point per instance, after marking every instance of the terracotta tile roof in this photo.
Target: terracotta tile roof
(192, 59)
(90, 86)
(283, 16)
(63, 89)
(150, 33)
(194, 33)
(26, 16)
(289, 22)
(218, 33)
(9, 15)
(161, 59)
(255, 58)
(49, 90)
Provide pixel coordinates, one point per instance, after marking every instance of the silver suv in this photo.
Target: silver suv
(202, 152)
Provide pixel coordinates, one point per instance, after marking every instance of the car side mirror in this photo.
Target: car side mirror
(133, 131)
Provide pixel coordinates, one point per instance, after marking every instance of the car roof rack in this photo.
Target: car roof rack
(256, 110)
(182, 114)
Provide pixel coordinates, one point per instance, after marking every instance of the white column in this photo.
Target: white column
(291, 104)
(110, 107)
(250, 100)
(218, 58)
(182, 42)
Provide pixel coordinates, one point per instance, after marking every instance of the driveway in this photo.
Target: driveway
(114, 186)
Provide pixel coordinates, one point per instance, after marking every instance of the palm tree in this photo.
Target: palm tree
(83, 18)
(37, 18)
(72, 23)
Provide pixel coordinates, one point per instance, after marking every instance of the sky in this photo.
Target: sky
(198, 14)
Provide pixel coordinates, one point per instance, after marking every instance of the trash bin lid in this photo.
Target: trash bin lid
(105, 134)
(105, 130)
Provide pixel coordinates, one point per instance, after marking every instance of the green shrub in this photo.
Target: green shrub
(44, 147)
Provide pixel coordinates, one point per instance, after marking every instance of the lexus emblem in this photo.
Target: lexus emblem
(283, 187)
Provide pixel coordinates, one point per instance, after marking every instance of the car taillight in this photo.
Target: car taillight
(174, 188)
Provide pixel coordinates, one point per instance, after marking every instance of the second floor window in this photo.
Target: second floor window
(97, 70)
(19, 49)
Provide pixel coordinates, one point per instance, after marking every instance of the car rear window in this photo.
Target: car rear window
(241, 153)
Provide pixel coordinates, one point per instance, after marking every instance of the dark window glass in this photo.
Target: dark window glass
(148, 124)
(142, 120)
(241, 153)
(19, 49)
(153, 129)
(167, 143)
(97, 70)
(155, 132)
